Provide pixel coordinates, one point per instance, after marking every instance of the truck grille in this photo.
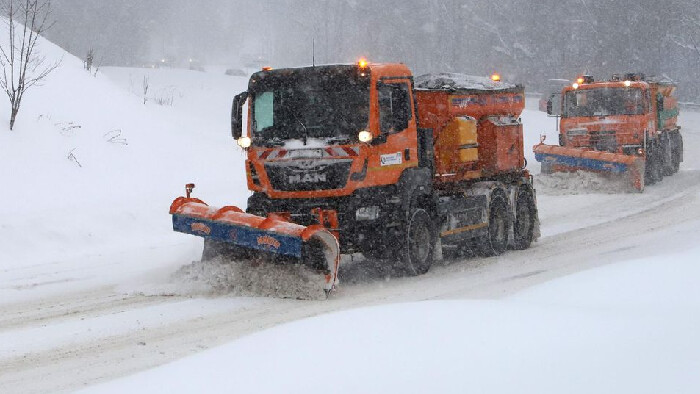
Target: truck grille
(306, 176)
(604, 140)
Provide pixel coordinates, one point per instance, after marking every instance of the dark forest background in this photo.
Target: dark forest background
(526, 41)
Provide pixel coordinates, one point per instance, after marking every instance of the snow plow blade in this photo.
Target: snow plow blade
(562, 159)
(260, 241)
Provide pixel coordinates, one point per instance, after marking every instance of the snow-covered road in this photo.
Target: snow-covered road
(48, 344)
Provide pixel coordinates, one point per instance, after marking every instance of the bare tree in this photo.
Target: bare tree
(23, 66)
(144, 86)
(89, 59)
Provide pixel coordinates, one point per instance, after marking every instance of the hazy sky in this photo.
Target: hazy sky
(526, 41)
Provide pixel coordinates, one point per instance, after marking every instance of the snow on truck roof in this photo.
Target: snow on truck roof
(456, 81)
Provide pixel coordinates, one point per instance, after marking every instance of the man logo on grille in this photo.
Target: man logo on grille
(307, 178)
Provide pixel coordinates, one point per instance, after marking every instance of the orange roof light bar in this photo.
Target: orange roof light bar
(362, 63)
(495, 77)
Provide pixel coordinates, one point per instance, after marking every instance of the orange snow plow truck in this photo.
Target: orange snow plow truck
(393, 167)
(625, 126)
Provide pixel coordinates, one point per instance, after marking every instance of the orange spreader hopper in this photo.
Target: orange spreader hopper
(564, 159)
(271, 238)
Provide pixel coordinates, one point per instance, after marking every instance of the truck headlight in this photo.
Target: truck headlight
(367, 213)
(633, 150)
(364, 136)
(244, 142)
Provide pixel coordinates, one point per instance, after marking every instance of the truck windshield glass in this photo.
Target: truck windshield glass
(604, 102)
(330, 104)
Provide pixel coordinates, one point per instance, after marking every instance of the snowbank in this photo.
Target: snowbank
(90, 171)
(625, 328)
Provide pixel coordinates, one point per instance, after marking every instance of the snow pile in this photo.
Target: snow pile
(562, 183)
(89, 172)
(250, 278)
(622, 328)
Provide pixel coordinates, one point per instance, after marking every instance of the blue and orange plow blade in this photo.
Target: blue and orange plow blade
(564, 159)
(271, 235)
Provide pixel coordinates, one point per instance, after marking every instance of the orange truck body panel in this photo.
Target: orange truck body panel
(499, 143)
(500, 138)
(377, 174)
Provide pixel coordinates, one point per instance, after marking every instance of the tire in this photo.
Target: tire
(418, 251)
(653, 172)
(495, 241)
(677, 151)
(524, 225)
(667, 154)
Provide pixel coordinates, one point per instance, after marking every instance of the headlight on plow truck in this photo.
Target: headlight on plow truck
(244, 142)
(364, 136)
(367, 213)
(633, 150)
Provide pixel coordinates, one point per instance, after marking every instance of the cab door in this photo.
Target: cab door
(395, 147)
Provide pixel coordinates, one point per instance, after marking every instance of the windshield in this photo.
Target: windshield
(323, 103)
(604, 102)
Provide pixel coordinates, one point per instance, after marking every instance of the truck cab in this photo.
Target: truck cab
(327, 131)
(607, 116)
(336, 138)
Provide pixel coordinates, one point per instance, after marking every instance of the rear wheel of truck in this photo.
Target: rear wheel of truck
(677, 150)
(524, 226)
(418, 251)
(495, 241)
(667, 154)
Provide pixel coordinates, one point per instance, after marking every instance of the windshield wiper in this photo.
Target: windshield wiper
(306, 131)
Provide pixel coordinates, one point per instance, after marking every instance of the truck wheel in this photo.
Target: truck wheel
(524, 220)
(653, 172)
(677, 151)
(667, 154)
(496, 240)
(417, 254)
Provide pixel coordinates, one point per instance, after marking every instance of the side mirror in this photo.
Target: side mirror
(549, 106)
(237, 115)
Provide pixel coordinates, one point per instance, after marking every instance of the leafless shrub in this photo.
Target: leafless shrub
(67, 128)
(89, 59)
(22, 65)
(71, 156)
(144, 86)
(115, 137)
